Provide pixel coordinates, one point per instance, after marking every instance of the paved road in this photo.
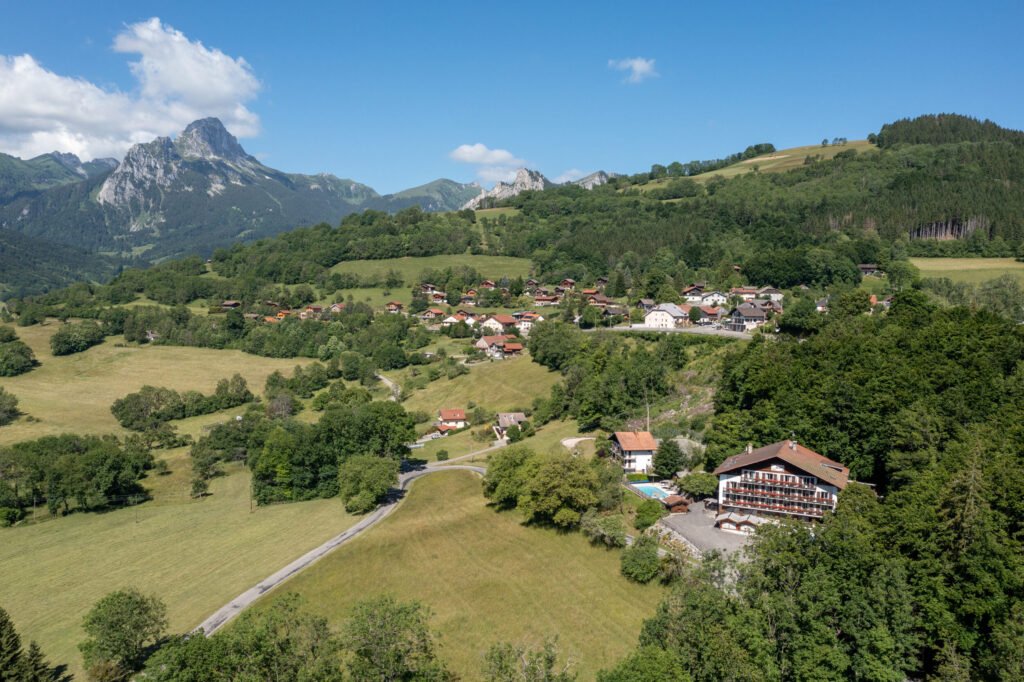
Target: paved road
(700, 331)
(224, 614)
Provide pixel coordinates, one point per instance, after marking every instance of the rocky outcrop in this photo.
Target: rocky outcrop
(594, 180)
(525, 180)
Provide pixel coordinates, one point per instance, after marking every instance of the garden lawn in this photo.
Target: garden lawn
(73, 393)
(969, 270)
(196, 555)
(487, 578)
(501, 386)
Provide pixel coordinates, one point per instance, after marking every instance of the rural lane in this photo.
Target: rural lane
(224, 614)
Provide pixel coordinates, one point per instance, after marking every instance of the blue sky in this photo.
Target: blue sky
(385, 92)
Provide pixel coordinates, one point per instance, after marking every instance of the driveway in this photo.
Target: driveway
(698, 526)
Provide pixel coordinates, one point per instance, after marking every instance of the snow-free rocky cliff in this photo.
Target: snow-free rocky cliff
(530, 180)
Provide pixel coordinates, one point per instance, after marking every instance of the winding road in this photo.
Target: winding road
(225, 613)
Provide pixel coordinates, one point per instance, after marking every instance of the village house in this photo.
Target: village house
(438, 297)
(784, 479)
(589, 292)
(666, 316)
(745, 293)
(770, 293)
(615, 311)
(394, 307)
(431, 314)
(488, 284)
(312, 312)
(507, 420)
(484, 343)
(456, 318)
(634, 450)
(540, 300)
(338, 307)
(869, 269)
(427, 288)
(646, 305)
(693, 293)
(568, 283)
(599, 300)
(510, 349)
(715, 298)
(526, 320)
(601, 282)
(821, 305)
(499, 323)
(746, 317)
(710, 315)
(452, 418)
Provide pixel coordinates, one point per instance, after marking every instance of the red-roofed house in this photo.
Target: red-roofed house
(394, 307)
(781, 479)
(635, 449)
(485, 342)
(452, 418)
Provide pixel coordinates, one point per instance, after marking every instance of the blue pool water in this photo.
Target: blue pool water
(651, 491)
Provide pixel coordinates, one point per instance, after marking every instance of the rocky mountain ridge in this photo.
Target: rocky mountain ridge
(527, 180)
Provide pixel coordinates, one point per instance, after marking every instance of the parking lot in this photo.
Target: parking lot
(698, 526)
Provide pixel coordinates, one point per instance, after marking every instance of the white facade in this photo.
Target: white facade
(665, 316)
(713, 298)
(638, 461)
(493, 325)
(775, 490)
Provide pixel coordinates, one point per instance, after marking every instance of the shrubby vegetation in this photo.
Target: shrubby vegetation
(75, 337)
(18, 664)
(151, 406)
(122, 627)
(8, 407)
(90, 472)
(15, 355)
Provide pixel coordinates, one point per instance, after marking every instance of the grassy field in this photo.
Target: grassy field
(73, 393)
(487, 578)
(411, 268)
(196, 555)
(501, 386)
(776, 162)
(496, 212)
(969, 270)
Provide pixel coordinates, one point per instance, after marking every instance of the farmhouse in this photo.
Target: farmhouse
(526, 320)
(507, 420)
(432, 314)
(634, 449)
(452, 418)
(499, 323)
(783, 479)
(599, 300)
(484, 343)
(545, 299)
(392, 307)
(770, 293)
(746, 293)
(666, 316)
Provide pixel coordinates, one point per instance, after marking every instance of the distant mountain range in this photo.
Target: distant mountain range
(189, 195)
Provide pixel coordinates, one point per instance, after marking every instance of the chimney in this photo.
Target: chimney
(750, 448)
(792, 445)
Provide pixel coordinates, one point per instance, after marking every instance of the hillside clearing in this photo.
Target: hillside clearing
(487, 578)
(969, 270)
(410, 268)
(73, 393)
(194, 554)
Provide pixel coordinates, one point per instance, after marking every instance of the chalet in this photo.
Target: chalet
(281, 314)
(869, 269)
(438, 297)
(484, 343)
(452, 418)
(693, 293)
(312, 312)
(615, 311)
(589, 292)
(532, 283)
(712, 298)
(511, 349)
(488, 284)
(783, 479)
(599, 300)
(745, 293)
(427, 288)
(230, 305)
(454, 319)
(545, 300)
(601, 282)
(666, 316)
(770, 293)
(646, 305)
(471, 293)
(507, 420)
(710, 314)
(338, 307)
(634, 450)
(394, 307)
(568, 283)
(499, 323)
(746, 317)
(526, 322)
(432, 314)
(821, 305)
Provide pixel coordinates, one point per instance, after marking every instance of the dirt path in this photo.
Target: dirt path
(225, 613)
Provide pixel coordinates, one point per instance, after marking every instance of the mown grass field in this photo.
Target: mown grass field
(73, 393)
(196, 555)
(501, 385)
(486, 577)
(969, 270)
(776, 162)
(410, 268)
(496, 212)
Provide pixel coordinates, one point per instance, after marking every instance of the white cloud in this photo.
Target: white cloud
(179, 81)
(569, 175)
(639, 69)
(492, 165)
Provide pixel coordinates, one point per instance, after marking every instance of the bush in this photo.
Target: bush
(607, 530)
(442, 455)
(15, 356)
(647, 514)
(10, 516)
(640, 562)
(8, 407)
(75, 338)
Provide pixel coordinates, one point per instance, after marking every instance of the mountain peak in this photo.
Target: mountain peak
(524, 180)
(207, 138)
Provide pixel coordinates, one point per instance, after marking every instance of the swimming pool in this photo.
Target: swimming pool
(651, 490)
